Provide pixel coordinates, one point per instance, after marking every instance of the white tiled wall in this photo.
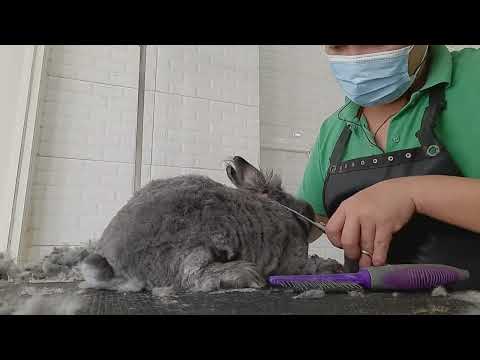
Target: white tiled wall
(226, 73)
(73, 200)
(112, 65)
(89, 121)
(84, 168)
(201, 108)
(297, 93)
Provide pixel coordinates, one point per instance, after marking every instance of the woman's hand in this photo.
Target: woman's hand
(368, 219)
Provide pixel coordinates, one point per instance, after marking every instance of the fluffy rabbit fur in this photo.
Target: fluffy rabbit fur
(192, 233)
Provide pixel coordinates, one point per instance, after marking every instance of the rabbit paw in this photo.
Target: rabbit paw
(239, 274)
(230, 275)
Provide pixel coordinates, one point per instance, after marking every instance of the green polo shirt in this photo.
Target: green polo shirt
(458, 128)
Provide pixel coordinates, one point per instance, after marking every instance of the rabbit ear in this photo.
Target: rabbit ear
(232, 175)
(244, 175)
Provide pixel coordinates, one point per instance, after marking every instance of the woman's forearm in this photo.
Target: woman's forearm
(451, 199)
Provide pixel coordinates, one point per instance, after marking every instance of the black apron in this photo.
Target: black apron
(422, 239)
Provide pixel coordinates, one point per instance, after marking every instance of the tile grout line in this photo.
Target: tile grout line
(84, 159)
(91, 81)
(203, 98)
(126, 162)
(154, 90)
(188, 167)
(153, 113)
(137, 179)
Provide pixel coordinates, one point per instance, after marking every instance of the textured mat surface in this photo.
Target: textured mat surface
(260, 302)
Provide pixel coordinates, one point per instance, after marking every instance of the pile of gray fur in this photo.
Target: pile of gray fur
(61, 265)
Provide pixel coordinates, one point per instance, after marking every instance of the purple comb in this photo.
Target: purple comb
(388, 277)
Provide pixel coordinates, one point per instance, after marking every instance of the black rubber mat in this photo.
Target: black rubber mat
(260, 302)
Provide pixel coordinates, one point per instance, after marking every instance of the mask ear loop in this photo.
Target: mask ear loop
(415, 74)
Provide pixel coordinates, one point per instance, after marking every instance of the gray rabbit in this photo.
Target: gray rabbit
(192, 233)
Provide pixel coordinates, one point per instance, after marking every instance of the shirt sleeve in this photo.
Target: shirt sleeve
(311, 186)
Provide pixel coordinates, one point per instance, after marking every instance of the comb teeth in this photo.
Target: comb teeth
(327, 286)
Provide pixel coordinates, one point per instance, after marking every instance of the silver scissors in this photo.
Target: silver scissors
(321, 226)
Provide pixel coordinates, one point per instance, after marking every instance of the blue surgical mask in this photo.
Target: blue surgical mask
(374, 79)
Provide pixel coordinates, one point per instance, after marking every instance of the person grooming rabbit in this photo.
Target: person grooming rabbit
(192, 233)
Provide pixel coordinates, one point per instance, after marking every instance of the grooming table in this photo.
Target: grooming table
(260, 302)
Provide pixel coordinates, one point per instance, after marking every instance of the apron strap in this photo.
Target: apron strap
(339, 148)
(436, 104)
